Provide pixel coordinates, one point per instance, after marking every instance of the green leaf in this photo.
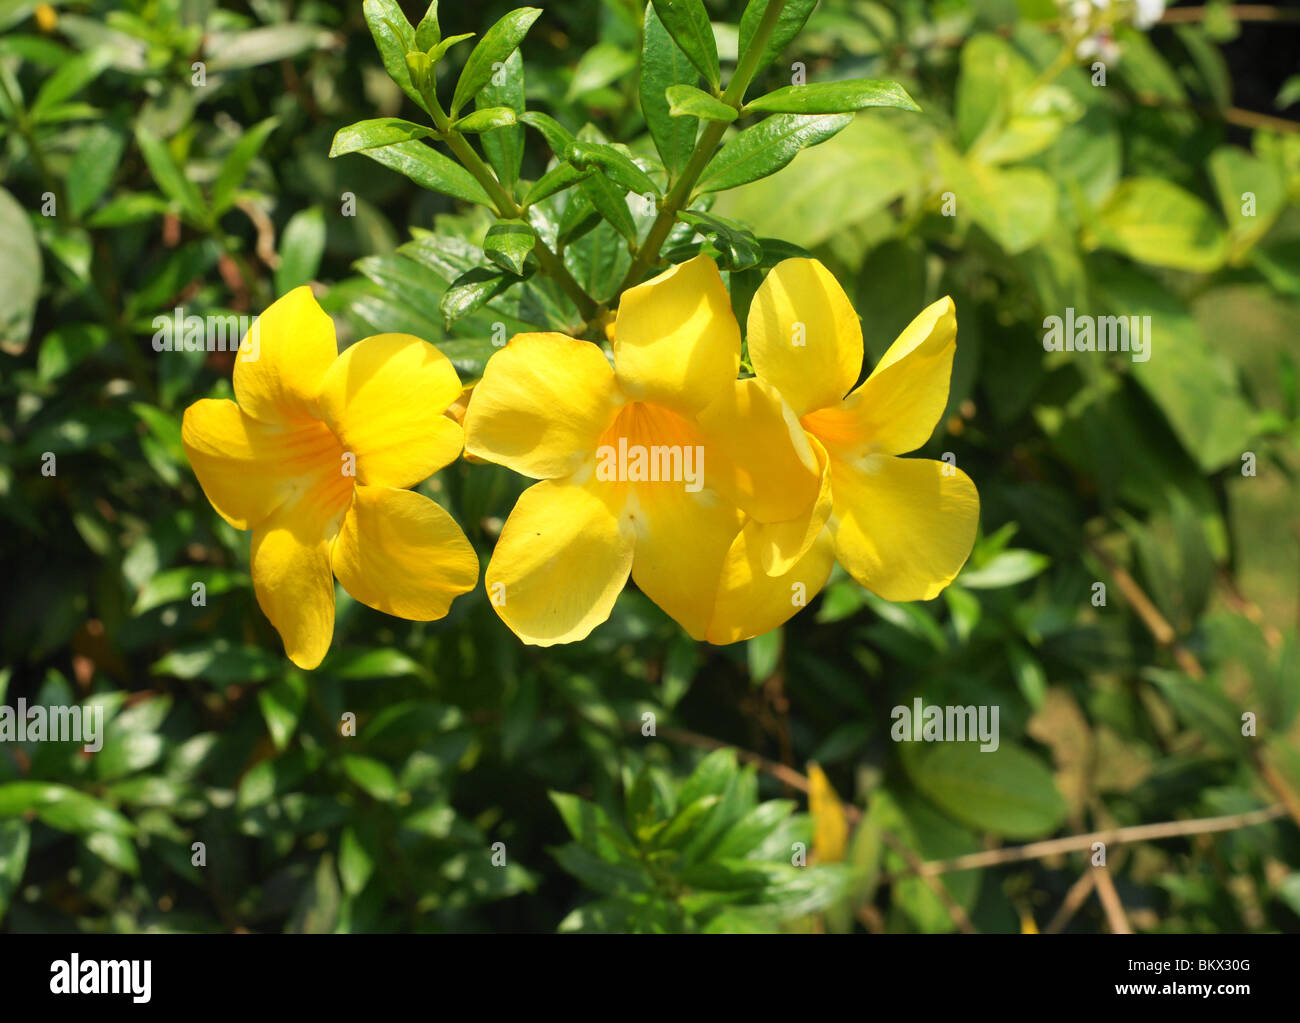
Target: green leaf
(1203, 708)
(491, 54)
(485, 119)
(734, 245)
(471, 290)
(834, 97)
(748, 833)
(428, 33)
(602, 64)
(557, 179)
(356, 862)
(1154, 221)
(1005, 569)
(1251, 193)
(177, 584)
(168, 175)
(62, 808)
(430, 169)
(394, 38)
(302, 244)
(233, 51)
(767, 147)
(93, 166)
(282, 704)
(558, 137)
(73, 76)
(508, 243)
(373, 776)
(504, 147)
(615, 165)
(664, 66)
(1007, 791)
(688, 101)
(789, 23)
(64, 347)
(235, 167)
(379, 131)
(15, 840)
(440, 50)
(688, 23)
(20, 275)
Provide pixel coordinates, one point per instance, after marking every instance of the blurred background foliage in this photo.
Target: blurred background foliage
(494, 787)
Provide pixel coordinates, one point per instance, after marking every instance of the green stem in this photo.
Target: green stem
(552, 265)
(680, 194)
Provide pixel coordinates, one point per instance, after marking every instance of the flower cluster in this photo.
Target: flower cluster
(726, 500)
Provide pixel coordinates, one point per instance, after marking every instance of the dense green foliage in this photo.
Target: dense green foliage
(1021, 186)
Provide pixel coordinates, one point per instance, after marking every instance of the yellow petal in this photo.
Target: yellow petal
(247, 468)
(751, 602)
(283, 359)
(290, 564)
(402, 554)
(682, 539)
(561, 560)
(756, 453)
(896, 408)
(903, 526)
(542, 405)
(830, 824)
(781, 544)
(384, 398)
(804, 337)
(676, 341)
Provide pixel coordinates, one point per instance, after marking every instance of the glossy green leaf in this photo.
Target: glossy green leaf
(430, 169)
(472, 289)
(767, 147)
(557, 179)
(394, 38)
(508, 243)
(614, 164)
(378, 131)
(688, 101)
(789, 23)
(834, 97)
(485, 119)
(664, 66)
(504, 147)
(491, 53)
(428, 33)
(687, 21)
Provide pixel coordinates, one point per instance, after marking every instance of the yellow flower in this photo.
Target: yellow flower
(648, 468)
(316, 459)
(902, 527)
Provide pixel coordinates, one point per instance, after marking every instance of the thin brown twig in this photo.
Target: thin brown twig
(1073, 901)
(1161, 631)
(1108, 837)
(1239, 12)
(1116, 918)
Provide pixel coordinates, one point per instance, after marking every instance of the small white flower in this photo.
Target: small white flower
(1147, 12)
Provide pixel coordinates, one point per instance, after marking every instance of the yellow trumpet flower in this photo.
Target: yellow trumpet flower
(316, 456)
(902, 527)
(647, 468)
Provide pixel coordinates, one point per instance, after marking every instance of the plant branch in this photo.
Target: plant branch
(680, 194)
(1109, 836)
(552, 265)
